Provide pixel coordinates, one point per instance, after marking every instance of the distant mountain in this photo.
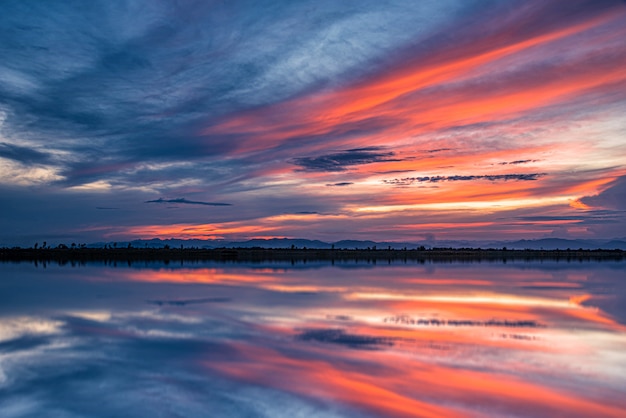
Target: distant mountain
(538, 244)
(616, 244)
(157, 243)
(562, 244)
(280, 243)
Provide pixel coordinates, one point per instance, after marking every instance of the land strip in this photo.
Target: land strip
(296, 255)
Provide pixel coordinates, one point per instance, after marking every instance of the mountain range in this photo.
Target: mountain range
(538, 244)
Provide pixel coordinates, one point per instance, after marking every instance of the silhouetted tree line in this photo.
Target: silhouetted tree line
(373, 255)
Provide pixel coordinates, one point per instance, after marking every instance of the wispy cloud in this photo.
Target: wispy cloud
(276, 106)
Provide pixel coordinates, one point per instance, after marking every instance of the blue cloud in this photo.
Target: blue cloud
(135, 79)
(24, 155)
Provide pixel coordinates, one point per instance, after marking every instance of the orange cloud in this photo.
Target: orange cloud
(199, 231)
(389, 97)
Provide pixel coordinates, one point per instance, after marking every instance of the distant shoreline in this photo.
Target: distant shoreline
(280, 254)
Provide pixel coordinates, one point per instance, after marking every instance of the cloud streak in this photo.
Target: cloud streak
(407, 181)
(187, 202)
(341, 161)
(340, 184)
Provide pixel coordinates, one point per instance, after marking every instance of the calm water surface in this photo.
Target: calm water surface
(516, 339)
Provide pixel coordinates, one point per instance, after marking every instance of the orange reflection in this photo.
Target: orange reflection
(399, 386)
(578, 300)
(212, 276)
(318, 378)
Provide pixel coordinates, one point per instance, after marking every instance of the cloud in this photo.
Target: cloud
(614, 197)
(541, 218)
(25, 155)
(516, 162)
(187, 202)
(339, 317)
(342, 160)
(406, 181)
(123, 83)
(185, 302)
(588, 217)
(341, 184)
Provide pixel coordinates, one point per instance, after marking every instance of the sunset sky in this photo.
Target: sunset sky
(385, 120)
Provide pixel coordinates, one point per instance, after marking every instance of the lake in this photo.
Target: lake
(353, 339)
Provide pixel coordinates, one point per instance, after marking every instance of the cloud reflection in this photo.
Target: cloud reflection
(523, 339)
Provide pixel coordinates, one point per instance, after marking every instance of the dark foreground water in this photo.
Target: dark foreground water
(521, 339)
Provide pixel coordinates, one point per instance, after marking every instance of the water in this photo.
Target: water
(516, 339)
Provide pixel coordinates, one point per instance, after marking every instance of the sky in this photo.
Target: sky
(385, 120)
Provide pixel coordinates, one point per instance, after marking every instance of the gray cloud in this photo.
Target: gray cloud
(185, 302)
(406, 181)
(341, 161)
(341, 184)
(613, 197)
(588, 217)
(187, 202)
(24, 155)
(516, 162)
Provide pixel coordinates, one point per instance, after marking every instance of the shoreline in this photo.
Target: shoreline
(279, 254)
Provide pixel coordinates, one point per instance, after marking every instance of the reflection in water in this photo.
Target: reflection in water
(515, 339)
